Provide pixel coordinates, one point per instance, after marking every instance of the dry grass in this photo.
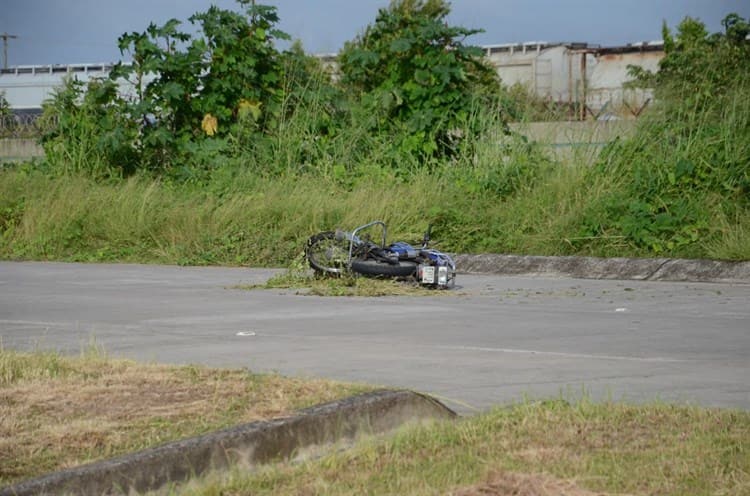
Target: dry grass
(303, 281)
(543, 448)
(350, 286)
(511, 484)
(57, 412)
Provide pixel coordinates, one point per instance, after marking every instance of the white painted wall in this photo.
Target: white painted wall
(26, 87)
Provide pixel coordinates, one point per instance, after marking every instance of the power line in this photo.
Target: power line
(6, 37)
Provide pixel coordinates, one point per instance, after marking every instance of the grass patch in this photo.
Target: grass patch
(304, 281)
(347, 285)
(266, 221)
(555, 446)
(58, 411)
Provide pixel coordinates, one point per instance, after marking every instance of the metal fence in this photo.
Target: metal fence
(21, 126)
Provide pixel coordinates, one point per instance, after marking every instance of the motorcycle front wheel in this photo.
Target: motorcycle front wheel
(327, 254)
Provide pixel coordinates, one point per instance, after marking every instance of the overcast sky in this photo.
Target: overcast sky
(86, 31)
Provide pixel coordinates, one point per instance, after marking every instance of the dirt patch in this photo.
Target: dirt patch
(513, 484)
(101, 408)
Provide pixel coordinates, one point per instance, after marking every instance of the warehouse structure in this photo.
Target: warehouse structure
(587, 79)
(26, 87)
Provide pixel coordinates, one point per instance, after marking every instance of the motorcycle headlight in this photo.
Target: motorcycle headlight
(442, 275)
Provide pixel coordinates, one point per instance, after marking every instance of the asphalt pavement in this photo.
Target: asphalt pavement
(492, 340)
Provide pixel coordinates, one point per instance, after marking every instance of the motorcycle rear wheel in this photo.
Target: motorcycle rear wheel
(327, 254)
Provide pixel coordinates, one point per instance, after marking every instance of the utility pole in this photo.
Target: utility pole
(6, 37)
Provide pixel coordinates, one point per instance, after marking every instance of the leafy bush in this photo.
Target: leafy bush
(192, 94)
(415, 74)
(4, 105)
(229, 98)
(690, 159)
(699, 66)
(83, 130)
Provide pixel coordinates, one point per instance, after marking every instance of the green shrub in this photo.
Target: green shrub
(416, 77)
(689, 161)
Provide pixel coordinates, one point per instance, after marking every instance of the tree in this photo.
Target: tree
(190, 90)
(414, 71)
(692, 148)
(699, 66)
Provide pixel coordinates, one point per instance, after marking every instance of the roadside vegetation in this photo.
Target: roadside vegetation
(61, 411)
(231, 151)
(553, 447)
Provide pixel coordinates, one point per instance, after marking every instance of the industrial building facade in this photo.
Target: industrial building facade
(26, 87)
(587, 78)
(590, 80)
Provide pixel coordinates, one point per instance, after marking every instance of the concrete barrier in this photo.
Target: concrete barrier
(579, 141)
(246, 445)
(17, 149)
(645, 269)
(567, 132)
(562, 137)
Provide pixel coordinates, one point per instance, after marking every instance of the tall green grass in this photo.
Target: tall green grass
(77, 218)
(140, 219)
(683, 179)
(679, 186)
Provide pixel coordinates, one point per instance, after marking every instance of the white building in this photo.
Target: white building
(572, 73)
(553, 71)
(26, 87)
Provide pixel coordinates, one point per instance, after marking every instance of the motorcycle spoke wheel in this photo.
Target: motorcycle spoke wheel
(326, 254)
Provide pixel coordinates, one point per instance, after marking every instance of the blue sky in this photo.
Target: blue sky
(85, 31)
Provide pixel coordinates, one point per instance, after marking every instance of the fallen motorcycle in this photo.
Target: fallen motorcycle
(339, 252)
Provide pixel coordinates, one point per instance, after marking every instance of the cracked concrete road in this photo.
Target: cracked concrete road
(491, 341)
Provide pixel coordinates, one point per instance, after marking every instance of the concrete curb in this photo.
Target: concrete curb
(643, 269)
(246, 445)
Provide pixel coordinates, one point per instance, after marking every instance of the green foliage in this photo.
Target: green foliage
(242, 74)
(690, 159)
(85, 132)
(193, 96)
(7, 123)
(243, 173)
(229, 98)
(164, 80)
(699, 67)
(416, 75)
(4, 105)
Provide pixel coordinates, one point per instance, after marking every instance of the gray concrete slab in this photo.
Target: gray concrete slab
(493, 340)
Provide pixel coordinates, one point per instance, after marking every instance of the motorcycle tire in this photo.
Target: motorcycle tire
(327, 254)
(370, 267)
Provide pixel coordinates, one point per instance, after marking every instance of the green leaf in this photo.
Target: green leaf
(401, 45)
